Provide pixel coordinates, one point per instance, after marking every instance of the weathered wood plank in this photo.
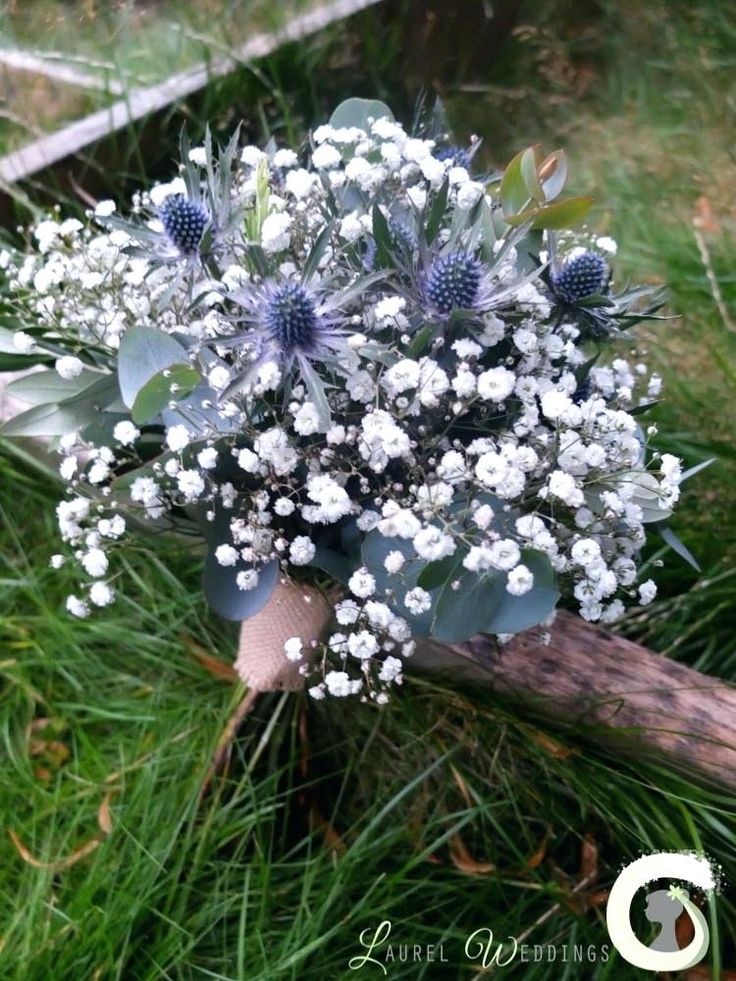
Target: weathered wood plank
(141, 102)
(59, 70)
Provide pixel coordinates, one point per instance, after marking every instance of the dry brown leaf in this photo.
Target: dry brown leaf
(463, 860)
(50, 747)
(536, 859)
(333, 840)
(462, 786)
(588, 860)
(550, 745)
(36, 725)
(597, 899)
(213, 665)
(59, 864)
(104, 817)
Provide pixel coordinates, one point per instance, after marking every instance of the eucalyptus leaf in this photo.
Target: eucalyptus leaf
(481, 603)
(391, 588)
(156, 394)
(647, 495)
(67, 416)
(42, 387)
(144, 352)
(460, 613)
(359, 112)
(190, 412)
(517, 613)
(334, 564)
(225, 597)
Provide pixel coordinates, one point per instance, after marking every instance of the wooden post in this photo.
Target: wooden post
(607, 689)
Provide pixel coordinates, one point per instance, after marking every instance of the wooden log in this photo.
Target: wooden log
(608, 689)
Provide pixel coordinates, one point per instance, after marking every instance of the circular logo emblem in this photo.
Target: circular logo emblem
(663, 907)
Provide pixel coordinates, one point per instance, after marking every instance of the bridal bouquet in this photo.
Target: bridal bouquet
(356, 367)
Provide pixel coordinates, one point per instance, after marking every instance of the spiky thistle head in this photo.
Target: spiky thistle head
(580, 277)
(453, 282)
(457, 156)
(184, 222)
(291, 318)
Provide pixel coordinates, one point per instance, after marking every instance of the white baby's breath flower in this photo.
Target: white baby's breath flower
(125, 432)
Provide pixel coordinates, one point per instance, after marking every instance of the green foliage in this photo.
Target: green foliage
(358, 112)
(154, 395)
(245, 884)
(67, 416)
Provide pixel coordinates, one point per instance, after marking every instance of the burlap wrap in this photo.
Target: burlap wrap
(294, 610)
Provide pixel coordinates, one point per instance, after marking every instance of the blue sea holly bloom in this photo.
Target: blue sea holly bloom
(453, 282)
(580, 277)
(184, 223)
(291, 318)
(291, 323)
(457, 156)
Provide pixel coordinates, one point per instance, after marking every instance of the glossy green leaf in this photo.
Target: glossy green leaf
(556, 165)
(437, 212)
(514, 192)
(561, 214)
(528, 166)
(19, 362)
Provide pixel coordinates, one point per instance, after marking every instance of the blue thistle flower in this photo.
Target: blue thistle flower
(402, 239)
(455, 154)
(585, 275)
(291, 318)
(453, 282)
(184, 222)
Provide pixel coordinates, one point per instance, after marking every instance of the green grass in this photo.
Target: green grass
(128, 43)
(345, 816)
(245, 884)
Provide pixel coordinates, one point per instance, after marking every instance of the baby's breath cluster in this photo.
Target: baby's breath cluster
(358, 365)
